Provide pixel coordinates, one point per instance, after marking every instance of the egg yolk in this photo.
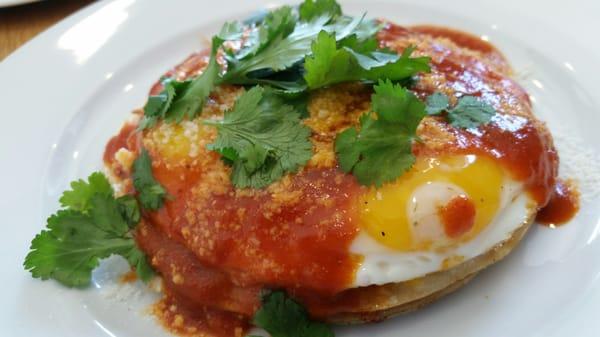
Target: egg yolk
(437, 203)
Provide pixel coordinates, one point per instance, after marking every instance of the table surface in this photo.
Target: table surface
(19, 24)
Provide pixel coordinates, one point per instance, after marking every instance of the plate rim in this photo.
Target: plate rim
(10, 67)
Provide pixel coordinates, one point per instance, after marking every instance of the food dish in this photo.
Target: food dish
(363, 168)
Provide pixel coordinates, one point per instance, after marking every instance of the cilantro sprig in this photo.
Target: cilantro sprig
(292, 50)
(436, 103)
(273, 54)
(330, 64)
(289, 51)
(281, 316)
(183, 99)
(150, 193)
(92, 225)
(279, 61)
(469, 112)
(381, 150)
(311, 9)
(262, 138)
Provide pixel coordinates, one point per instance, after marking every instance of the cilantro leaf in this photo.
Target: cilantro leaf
(286, 51)
(277, 55)
(470, 112)
(262, 137)
(150, 193)
(386, 65)
(365, 46)
(329, 64)
(105, 213)
(190, 101)
(357, 26)
(138, 260)
(231, 31)
(311, 9)
(396, 105)
(78, 198)
(277, 24)
(382, 150)
(273, 54)
(76, 238)
(436, 103)
(345, 146)
(281, 316)
(183, 99)
(157, 105)
(128, 206)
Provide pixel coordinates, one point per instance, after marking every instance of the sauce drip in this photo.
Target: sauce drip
(562, 207)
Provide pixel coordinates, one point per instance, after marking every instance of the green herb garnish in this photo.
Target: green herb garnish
(262, 138)
(469, 112)
(278, 47)
(150, 193)
(281, 316)
(92, 226)
(312, 9)
(381, 150)
(336, 48)
(182, 99)
(78, 198)
(273, 54)
(329, 64)
(436, 103)
(290, 52)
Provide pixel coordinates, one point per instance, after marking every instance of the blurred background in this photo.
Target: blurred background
(21, 20)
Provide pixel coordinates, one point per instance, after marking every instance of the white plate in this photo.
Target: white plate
(67, 91)
(8, 3)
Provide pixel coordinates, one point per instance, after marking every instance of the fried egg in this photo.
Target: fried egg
(442, 212)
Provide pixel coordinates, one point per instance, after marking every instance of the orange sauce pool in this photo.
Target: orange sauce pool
(216, 252)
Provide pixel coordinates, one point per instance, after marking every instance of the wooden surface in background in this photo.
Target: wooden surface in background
(21, 23)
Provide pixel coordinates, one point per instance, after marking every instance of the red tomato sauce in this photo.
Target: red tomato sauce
(517, 144)
(256, 240)
(458, 216)
(187, 319)
(124, 139)
(562, 207)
